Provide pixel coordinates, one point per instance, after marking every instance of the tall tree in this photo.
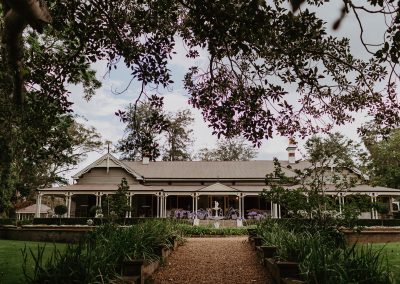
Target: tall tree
(152, 132)
(117, 204)
(234, 149)
(42, 143)
(45, 152)
(333, 159)
(332, 162)
(144, 125)
(34, 108)
(384, 153)
(178, 136)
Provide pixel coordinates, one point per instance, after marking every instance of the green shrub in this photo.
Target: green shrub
(189, 230)
(348, 265)
(60, 210)
(7, 221)
(99, 221)
(97, 258)
(301, 224)
(323, 256)
(376, 222)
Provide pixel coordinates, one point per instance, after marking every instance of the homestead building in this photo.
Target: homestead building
(157, 189)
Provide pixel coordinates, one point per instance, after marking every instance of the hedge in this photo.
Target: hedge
(15, 222)
(360, 222)
(189, 230)
(8, 221)
(96, 221)
(132, 221)
(379, 222)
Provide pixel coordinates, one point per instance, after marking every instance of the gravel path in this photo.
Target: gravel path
(229, 260)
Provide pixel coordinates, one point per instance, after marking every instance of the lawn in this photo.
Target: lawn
(392, 250)
(11, 259)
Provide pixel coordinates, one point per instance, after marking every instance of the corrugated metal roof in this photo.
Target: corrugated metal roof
(32, 209)
(209, 170)
(93, 187)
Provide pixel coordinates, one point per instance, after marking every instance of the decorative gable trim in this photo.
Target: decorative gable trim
(107, 158)
(217, 187)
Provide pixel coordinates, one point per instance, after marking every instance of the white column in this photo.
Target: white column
(374, 212)
(38, 204)
(243, 213)
(279, 211)
(275, 206)
(160, 197)
(240, 206)
(100, 194)
(69, 206)
(130, 204)
(196, 201)
(164, 213)
(67, 202)
(343, 200)
(272, 209)
(161, 206)
(193, 197)
(127, 203)
(158, 205)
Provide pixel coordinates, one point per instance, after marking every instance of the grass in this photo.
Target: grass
(11, 259)
(392, 251)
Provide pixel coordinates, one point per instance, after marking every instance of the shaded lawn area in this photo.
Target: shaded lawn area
(11, 258)
(392, 250)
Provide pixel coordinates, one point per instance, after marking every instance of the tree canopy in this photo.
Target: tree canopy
(384, 157)
(43, 147)
(234, 149)
(144, 125)
(332, 160)
(152, 132)
(263, 58)
(179, 136)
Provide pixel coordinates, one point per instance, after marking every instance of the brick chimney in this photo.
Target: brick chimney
(291, 149)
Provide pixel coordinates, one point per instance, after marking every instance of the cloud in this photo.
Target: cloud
(180, 61)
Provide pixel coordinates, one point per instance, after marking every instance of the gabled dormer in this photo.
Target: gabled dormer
(107, 170)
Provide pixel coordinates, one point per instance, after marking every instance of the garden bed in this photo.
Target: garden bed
(373, 235)
(62, 234)
(283, 271)
(100, 255)
(280, 271)
(139, 270)
(322, 256)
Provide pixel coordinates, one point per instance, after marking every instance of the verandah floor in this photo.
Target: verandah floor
(212, 260)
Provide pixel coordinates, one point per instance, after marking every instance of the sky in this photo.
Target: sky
(100, 110)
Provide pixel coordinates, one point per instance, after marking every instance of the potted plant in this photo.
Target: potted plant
(60, 210)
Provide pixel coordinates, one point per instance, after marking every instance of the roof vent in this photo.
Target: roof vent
(146, 160)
